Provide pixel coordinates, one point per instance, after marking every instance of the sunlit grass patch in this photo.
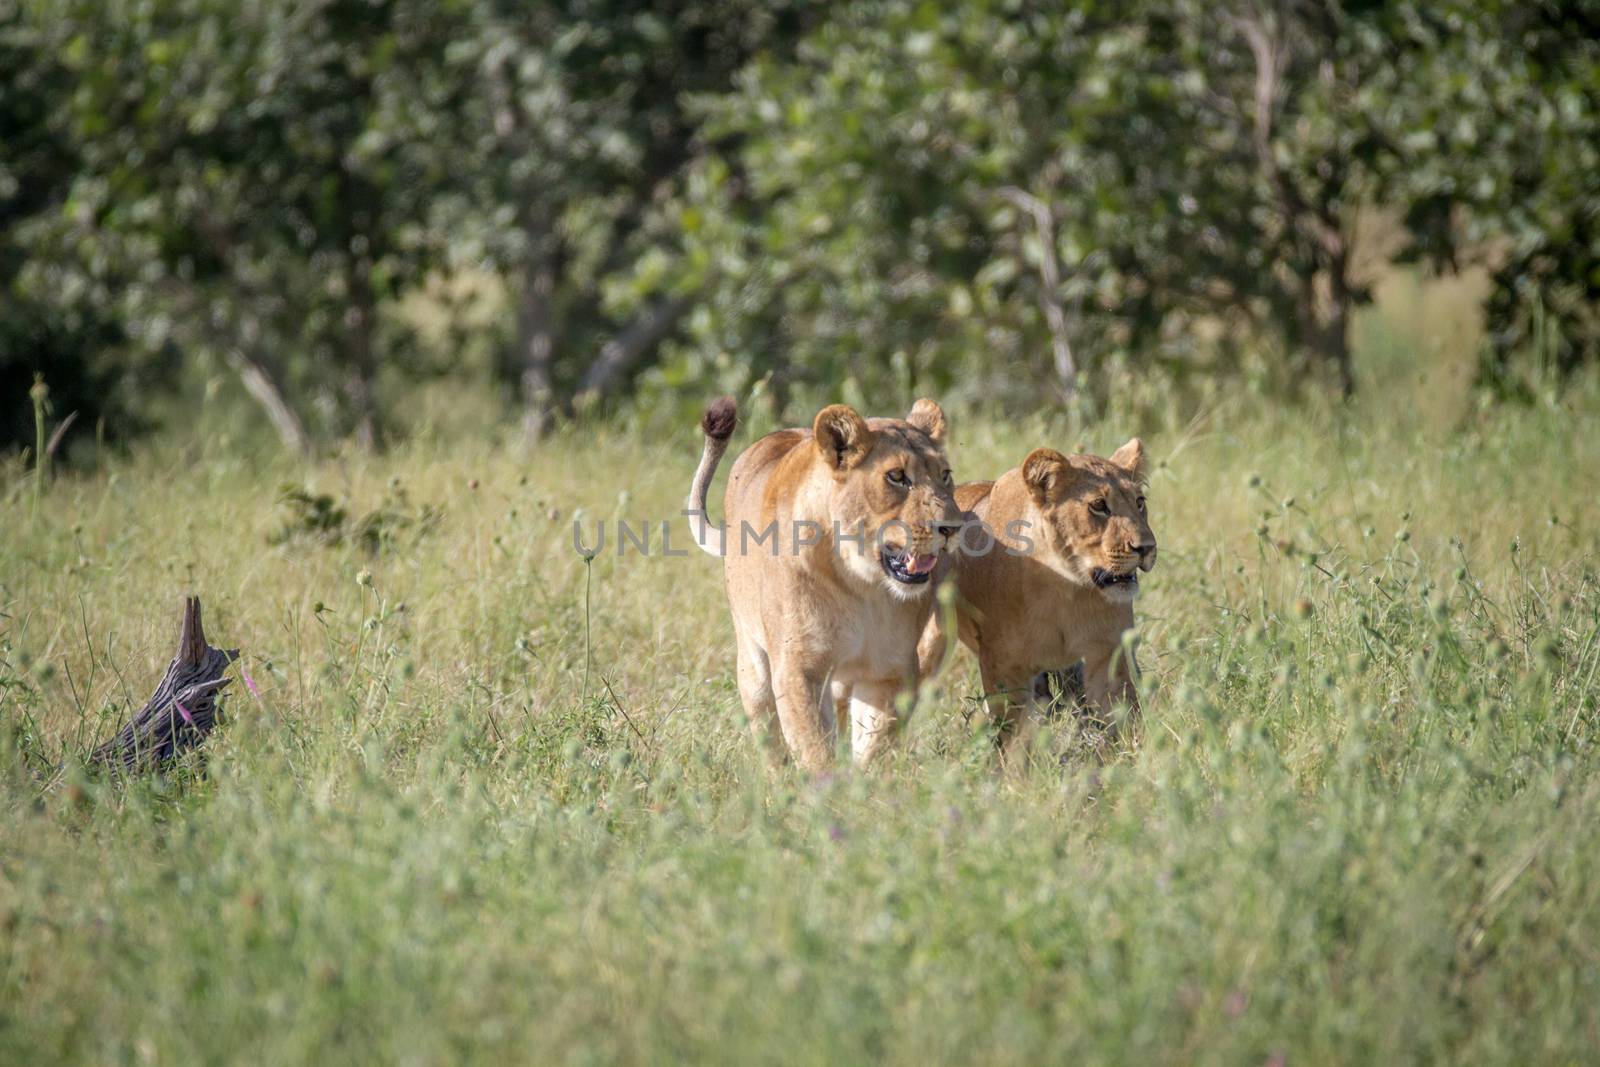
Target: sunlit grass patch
(490, 801)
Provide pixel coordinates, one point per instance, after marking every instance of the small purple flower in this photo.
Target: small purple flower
(188, 718)
(249, 682)
(835, 832)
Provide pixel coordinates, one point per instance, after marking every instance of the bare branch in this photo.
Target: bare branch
(619, 354)
(265, 390)
(56, 438)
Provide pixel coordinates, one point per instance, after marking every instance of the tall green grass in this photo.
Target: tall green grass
(1362, 823)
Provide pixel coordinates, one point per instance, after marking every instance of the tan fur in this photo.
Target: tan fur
(1037, 608)
(807, 615)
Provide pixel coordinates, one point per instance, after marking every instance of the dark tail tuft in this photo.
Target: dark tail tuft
(721, 416)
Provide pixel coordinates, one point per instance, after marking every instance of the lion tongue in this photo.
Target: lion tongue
(920, 564)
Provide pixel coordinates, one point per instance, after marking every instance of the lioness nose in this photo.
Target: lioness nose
(1143, 548)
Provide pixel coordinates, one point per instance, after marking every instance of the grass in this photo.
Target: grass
(485, 809)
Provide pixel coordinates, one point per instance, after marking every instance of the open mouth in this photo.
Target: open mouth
(1104, 579)
(903, 566)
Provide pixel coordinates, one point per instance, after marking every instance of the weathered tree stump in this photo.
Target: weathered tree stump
(183, 709)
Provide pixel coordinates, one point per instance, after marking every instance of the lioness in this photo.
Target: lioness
(833, 538)
(1070, 536)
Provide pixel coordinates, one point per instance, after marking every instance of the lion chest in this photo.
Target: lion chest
(879, 644)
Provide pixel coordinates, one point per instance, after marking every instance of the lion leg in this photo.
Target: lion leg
(1007, 696)
(799, 689)
(931, 647)
(874, 719)
(1109, 680)
(839, 710)
(760, 708)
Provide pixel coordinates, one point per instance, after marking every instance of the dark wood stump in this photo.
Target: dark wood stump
(183, 709)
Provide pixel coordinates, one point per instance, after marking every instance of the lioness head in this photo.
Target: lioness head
(891, 483)
(1092, 512)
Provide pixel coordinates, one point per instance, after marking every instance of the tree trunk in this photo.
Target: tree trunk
(1336, 330)
(264, 388)
(1323, 329)
(360, 320)
(1325, 333)
(536, 334)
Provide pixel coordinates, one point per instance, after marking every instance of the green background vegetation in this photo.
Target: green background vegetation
(321, 204)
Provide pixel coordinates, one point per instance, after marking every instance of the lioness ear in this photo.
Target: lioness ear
(1045, 472)
(929, 418)
(1130, 457)
(842, 436)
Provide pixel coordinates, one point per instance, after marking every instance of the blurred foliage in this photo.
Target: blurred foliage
(1504, 171)
(320, 519)
(577, 128)
(912, 195)
(57, 332)
(992, 199)
(253, 179)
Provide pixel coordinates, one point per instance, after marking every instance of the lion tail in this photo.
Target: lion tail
(720, 417)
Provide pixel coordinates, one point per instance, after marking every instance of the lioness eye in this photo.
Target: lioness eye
(949, 479)
(1099, 508)
(898, 477)
(1140, 502)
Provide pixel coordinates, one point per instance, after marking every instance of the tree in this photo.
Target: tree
(254, 181)
(1005, 195)
(945, 192)
(1505, 170)
(997, 198)
(44, 331)
(580, 128)
(872, 222)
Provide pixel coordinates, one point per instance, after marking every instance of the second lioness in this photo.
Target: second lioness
(1057, 583)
